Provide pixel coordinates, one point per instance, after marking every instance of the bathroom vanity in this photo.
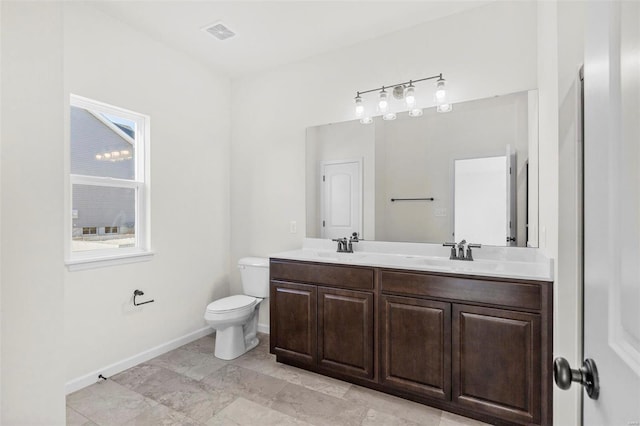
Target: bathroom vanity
(474, 338)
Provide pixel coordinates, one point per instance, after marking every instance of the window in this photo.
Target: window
(89, 230)
(109, 183)
(110, 229)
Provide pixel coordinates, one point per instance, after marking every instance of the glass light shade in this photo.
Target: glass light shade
(389, 116)
(359, 106)
(366, 120)
(441, 91)
(442, 105)
(410, 96)
(415, 112)
(383, 102)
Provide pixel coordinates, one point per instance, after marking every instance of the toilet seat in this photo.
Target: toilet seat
(239, 302)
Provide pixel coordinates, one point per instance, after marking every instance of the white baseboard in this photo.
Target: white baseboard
(263, 328)
(115, 368)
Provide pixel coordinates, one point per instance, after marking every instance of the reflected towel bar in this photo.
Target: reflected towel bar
(412, 199)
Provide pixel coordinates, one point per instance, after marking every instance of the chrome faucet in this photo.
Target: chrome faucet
(343, 247)
(346, 246)
(458, 250)
(461, 245)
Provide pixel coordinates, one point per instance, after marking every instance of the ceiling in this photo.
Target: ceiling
(272, 33)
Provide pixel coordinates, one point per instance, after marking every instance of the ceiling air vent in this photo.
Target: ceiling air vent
(219, 31)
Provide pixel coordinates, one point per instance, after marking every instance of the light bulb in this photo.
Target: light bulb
(415, 112)
(389, 116)
(410, 96)
(383, 103)
(366, 120)
(441, 91)
(107, 155)
(442, 105)
(124, 152)
(359, 106)
(98, 157)
(115, 154)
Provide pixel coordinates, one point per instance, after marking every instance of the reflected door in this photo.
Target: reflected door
(341, 198)
(612, 211)
(484, 208)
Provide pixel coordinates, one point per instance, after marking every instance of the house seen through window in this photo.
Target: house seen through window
(108, 180)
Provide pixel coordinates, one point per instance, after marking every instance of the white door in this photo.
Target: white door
(341, 198)
(612, 211)
(480, 201)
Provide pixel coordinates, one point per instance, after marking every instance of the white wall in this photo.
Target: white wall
(568, 336)
(486, 51)
(189, 108)
(561, 52)
(32, 229)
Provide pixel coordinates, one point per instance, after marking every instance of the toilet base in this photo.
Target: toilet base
(230, 343)
(235, 340)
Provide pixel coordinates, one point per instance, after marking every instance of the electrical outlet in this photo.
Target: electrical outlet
(293, 227)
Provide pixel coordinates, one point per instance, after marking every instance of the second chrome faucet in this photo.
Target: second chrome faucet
(458, 250)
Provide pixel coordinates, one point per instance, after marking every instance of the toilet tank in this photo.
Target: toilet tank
(254, 272)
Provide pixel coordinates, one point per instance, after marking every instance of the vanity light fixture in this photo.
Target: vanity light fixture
(401, 91)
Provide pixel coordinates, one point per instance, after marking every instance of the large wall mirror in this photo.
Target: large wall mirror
(468, 174)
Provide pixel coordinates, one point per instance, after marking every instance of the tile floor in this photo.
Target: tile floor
(189, 386)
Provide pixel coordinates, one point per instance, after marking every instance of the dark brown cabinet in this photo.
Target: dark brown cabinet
(345, 331)
(294, 322)
(476, 346)
(322, 317)
(415, 344)
(496, 362)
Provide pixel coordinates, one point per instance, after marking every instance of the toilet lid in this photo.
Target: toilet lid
(231, 303)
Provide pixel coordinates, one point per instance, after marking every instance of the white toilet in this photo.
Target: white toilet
(235, 318)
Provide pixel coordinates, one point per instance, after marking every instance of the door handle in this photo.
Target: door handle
(587, 376)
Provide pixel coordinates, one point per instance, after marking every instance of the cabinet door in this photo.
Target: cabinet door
(496, 362)
(416, 346)
(293, 322)
(345, 331)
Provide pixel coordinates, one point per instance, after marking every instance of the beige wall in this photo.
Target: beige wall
(33, 360)
(349, 140)
(415, 159)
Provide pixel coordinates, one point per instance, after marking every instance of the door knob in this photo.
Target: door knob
(587, 376)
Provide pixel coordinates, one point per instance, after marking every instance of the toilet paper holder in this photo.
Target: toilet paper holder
(139, 293)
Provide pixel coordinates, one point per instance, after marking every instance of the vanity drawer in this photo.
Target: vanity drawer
(323, 274)
(513, 294)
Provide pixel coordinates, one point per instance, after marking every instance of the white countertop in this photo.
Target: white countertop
(503, 262)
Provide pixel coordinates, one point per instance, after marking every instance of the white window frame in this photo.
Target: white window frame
(114, 256)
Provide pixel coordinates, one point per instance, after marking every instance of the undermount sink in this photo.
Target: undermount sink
(340, 256)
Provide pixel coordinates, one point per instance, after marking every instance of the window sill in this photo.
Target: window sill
(84, 263)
